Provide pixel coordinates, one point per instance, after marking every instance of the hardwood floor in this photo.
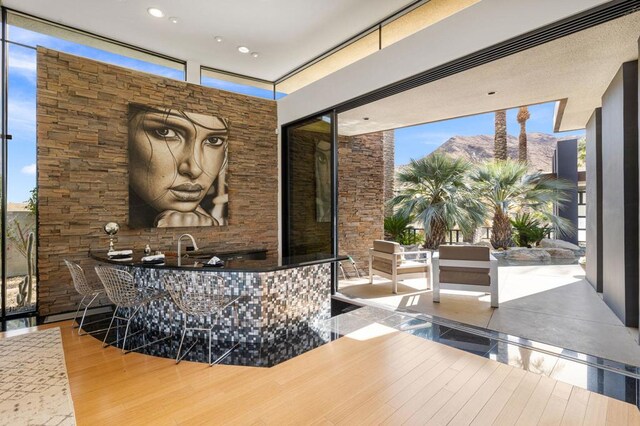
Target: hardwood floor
(375, 376)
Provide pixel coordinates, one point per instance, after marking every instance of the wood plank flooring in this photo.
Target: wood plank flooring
(375, 376)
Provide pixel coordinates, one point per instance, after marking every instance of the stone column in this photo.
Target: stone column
(388, 147)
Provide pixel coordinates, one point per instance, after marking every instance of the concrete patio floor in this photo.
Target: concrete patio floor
(549, 303)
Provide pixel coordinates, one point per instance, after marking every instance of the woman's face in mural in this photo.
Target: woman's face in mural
(175, 156)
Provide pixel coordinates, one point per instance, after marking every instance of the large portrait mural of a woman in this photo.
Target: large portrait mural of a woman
(177, 168)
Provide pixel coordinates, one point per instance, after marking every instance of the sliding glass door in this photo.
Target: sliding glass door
(309, 187)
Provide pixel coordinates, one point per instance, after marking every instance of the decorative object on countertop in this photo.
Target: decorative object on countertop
(111, 229)
(122, 258)
(215, 261)
(147, 250)
(120, 254)
(156, 259)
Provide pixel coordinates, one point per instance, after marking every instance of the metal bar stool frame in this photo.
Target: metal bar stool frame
(83, 288)
(122, 291)
(198, 298)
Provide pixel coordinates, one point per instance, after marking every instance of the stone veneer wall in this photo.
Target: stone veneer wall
(388, 146)
(361, 194)
(82, 166)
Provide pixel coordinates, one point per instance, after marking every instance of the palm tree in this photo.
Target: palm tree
(523, 116)
(500, 141)
(435, 192)
(506, 188)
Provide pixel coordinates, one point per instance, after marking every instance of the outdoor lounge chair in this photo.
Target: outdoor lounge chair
(387, 259)
(465, 268)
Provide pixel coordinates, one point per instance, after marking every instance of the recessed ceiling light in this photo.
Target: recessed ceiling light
(218, 39)
(155, 12)
(255, 54)
(173, 20)
(243, 49)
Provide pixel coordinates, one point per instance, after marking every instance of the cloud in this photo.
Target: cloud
(23, 64)
(22, 119)
(29, 170)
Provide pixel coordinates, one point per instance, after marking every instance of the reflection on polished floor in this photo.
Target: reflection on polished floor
(287, 344)
(529, 355)
(375, 374)
(599, 375)
(549, 303)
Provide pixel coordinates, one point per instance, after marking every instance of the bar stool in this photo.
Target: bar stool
(122, 291)
(85, 290)
(199, 295)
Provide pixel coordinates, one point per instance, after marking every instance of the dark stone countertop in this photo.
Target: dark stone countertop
(236, 261)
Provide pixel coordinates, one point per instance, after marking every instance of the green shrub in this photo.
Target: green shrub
(410, 238)
(528, 230)
(398, 229)
(395, 226)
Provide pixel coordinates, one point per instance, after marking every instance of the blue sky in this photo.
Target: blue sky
(21, 165)
(22, 117)
(411, 142)
(418, 141)
(22, 99)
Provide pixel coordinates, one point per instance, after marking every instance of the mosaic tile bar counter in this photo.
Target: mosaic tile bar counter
(273, 305)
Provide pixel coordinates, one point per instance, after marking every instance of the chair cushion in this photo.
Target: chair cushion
(383, 265)
(464, 252)
(407, 267)
(386, 246)
(458, 275)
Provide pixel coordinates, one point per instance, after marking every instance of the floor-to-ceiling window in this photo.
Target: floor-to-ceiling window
(22, 34)
(20, 163)
(236, 83)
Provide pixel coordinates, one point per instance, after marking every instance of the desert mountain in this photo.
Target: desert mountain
(540, 148)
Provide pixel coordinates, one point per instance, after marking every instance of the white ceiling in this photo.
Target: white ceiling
(578, 67)
(286, 33)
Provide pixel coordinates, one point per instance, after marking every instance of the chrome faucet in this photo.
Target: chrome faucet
(195, 246)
